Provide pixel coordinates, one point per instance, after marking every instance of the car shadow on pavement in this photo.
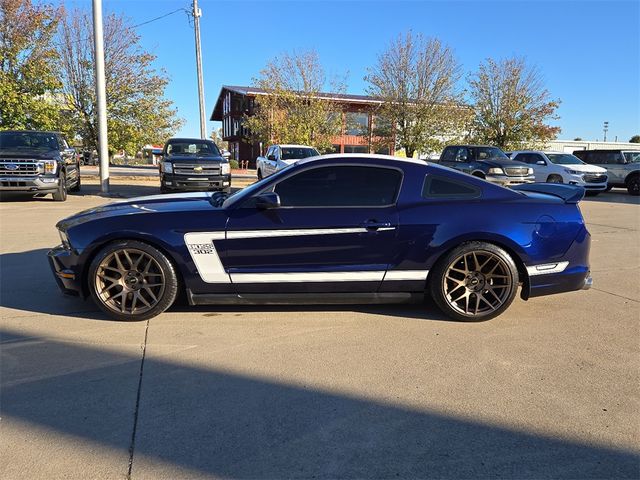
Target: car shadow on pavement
(614, 196)
(27, 284)
(194, 421)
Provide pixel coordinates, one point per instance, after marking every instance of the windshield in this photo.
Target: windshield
(295, 153)
(28, 141)
(489, 152)
(192, 147)
(632, 157)
(246, 192)
(564, 159)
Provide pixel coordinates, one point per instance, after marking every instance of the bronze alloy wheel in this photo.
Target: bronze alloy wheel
(477, 283)
(129, 281)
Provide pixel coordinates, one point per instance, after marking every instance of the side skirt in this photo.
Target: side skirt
(303, 298)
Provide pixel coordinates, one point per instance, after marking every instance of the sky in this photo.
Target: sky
(587, 51)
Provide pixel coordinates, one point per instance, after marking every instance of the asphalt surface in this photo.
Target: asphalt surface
(548, 390)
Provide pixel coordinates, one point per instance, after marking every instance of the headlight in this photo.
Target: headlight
(64, 238)
(572, 172)
(530, 171)
(46, 166)
(496, 171)
(225, 168)
(167, 167)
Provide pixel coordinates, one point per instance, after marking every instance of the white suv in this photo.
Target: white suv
(558, 167)
(281, 156)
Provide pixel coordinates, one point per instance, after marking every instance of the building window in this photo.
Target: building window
(383, 151)
(356, 149)
(357, 123)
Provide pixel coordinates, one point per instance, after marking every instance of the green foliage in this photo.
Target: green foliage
(417, 78)
(28, 66)
(234, 164)
(512, 107)
(137, 112)
(635, 139)
(292, 110)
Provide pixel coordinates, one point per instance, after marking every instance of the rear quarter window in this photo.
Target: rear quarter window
(447, 188)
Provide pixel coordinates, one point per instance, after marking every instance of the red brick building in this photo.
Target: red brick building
(358, 116)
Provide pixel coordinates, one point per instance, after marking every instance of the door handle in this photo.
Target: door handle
(373, 225)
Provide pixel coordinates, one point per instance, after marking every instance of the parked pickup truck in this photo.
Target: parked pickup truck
(281, 156)
(193, 164)
(489, 163)
(38, 163)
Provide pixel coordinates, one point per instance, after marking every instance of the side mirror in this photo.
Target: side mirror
(267, 201)
(272, 158)
(541, 162)
(226, 155)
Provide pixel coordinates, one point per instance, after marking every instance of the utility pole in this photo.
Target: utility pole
(605, 129)
(101, 96)
(197, 13)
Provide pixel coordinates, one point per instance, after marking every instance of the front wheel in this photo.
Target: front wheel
(131, 280)
(554, 179)
(260, 174)
(474, 282)
(633, 185)
(60, 195)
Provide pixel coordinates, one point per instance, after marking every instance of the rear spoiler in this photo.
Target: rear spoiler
(568, 193)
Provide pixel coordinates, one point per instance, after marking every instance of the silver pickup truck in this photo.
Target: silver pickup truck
(281, 156)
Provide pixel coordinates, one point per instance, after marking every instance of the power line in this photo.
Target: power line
(161, 16)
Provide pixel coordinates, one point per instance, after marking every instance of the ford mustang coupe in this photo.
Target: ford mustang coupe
(331, 229)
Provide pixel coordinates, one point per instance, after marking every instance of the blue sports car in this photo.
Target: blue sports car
(331, 229)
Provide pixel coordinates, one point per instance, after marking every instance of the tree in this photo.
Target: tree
(512, 106)
(137, 112)
(292, 109)
(635, 139)
(416, 78)
(216, 136)
(28, 66)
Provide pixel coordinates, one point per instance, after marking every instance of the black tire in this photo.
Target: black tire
(633, 185)
(260, 174)
(554, 179)
(479, 175)
(442, 287)
(154, 298)
(60, 195)
(78, 185)
(609, 187)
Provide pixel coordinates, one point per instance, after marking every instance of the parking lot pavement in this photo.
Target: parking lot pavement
(549, 389)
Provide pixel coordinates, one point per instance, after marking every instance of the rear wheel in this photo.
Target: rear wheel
(78, 185)
(260, 174)
(60, 195)
(633, 185)
(474, 282)
(554, 179)
(131, 280)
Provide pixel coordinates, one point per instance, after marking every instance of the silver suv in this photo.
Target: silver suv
(623, 166)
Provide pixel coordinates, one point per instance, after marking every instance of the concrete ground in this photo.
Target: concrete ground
(551, 389)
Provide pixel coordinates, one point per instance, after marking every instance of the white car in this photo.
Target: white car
(281, 156)
(558, 167)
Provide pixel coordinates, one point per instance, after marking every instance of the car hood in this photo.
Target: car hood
(501, 162)
(197, 159)
(39, 154)
(584, 168)
(166, 203)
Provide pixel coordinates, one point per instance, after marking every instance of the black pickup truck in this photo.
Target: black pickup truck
(193, 164)
(38, 163)
(486, 162)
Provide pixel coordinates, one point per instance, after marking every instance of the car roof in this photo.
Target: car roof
(293, 145)
(185, 139)
(31, 131)
(539, 151)
(370, 156)
(471, 145)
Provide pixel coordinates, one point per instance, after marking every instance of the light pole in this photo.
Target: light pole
(101, 96)
(197, 13)
(606, 129)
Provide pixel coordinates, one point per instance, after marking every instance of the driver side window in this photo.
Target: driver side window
(462, 155)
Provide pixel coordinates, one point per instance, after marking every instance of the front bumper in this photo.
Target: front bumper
(65, 268)
(507, 180)
(185, 182)
(24, 183)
